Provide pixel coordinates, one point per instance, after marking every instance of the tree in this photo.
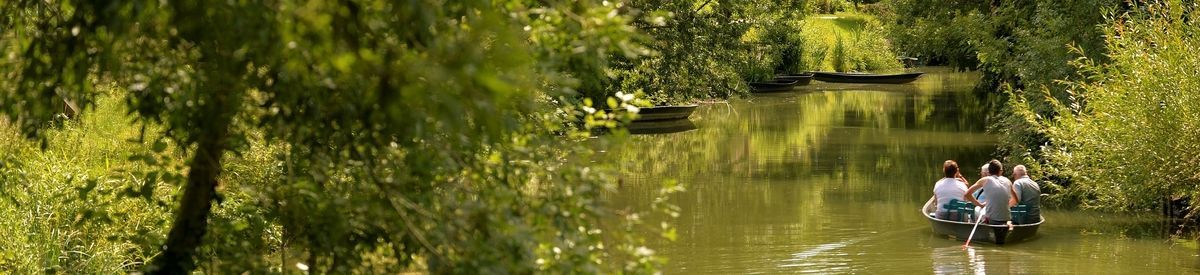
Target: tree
(698, 48)
(429, 130)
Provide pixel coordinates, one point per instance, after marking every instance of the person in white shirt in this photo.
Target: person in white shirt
(952, 186)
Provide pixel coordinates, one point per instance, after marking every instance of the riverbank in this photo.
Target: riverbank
(830, 179)
(1099, 98)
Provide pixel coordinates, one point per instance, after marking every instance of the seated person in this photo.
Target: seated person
(1028, 193)
(983, 173)
(951, 187)
(999, 198)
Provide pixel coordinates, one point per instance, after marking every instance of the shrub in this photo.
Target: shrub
(1128, 134)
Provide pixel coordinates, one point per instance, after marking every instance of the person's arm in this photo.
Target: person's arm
(971, 198)
(1015, 191)
(1012, 196)
(962, 179)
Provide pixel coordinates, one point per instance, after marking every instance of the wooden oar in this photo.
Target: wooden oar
(977, 221)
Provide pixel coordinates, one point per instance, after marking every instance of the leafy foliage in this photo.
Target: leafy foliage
(1127, 135)
(1021, 46)
(701, 49)
(344, 135)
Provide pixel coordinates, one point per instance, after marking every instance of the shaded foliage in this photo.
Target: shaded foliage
(701, 49)
(365, 135)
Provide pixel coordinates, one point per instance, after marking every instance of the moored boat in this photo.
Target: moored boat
(836, 77)
(665, 112)
(984, 233)
(773, 86)
(801, 79)
(661, 126)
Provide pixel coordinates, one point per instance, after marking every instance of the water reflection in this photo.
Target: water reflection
(661, 127)
(980, 260)
(831, 180)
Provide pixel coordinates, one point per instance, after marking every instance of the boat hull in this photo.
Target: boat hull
(665, 112)
(834, 77)
(801, 79)
(661, 126)
(773, 87)
(985, 233)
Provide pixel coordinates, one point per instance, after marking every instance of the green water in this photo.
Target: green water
(829, 179)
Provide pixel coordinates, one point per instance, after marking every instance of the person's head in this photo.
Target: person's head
(950, 168)
(983, 171)
(1019, 171)
(994, 167)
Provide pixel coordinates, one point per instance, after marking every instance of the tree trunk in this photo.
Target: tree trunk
(191, 219)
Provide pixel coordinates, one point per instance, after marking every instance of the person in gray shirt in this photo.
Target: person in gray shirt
(1028, 193)
(999, 197)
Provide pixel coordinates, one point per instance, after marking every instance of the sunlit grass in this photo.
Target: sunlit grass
(846, 41)
(51, 224)
(77, 206)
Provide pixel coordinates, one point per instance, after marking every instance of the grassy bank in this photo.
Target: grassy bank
(1100, 94)
(845, 41)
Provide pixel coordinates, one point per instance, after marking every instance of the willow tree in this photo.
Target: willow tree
(417, 131)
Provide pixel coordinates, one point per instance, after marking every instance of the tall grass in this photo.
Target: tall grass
(97, 199)
(842, 42)
(53, 222)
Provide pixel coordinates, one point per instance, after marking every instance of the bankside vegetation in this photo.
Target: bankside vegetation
(324, 136)
(339, 136)
(1129, 134)
(1099, 94)
(710, 49)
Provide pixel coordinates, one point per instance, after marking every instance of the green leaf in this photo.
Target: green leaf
(159, 146)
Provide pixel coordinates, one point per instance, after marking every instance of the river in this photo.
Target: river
(829, 179)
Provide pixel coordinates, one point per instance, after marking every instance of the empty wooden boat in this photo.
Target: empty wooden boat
(836, 77)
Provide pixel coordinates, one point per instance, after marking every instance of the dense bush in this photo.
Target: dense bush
(701, 49)
(320, 136)
(788, 44)
(936, 36)
(1128, 136)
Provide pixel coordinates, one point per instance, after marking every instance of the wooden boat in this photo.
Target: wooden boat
(836, 77)
(665, 112)
(661, 126)
(801, 79)
(962, 230)
(773, 86)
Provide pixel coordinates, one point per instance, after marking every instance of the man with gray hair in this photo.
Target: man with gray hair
(1028, 193)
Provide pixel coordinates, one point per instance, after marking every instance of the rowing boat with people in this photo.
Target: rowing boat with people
(962, 230)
